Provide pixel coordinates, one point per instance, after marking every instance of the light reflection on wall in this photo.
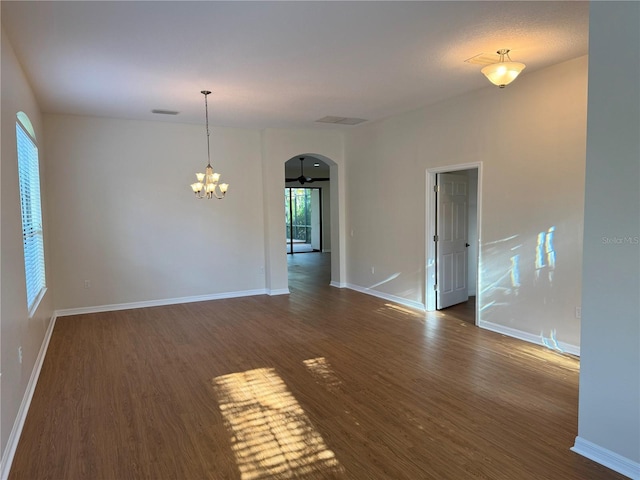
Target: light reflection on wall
(386, 280)
(515, 273)
(551, 342)
(506, 282)
(521, 279)
(271, 436)
(550, 252)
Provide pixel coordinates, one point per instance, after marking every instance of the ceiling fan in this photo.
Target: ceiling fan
(303, 179)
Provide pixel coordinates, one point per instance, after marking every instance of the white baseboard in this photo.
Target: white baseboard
(607, 458)
(527, 337)
(338, 284)
(18, 424)
(387, 296)
(278, 291)
(158, 303)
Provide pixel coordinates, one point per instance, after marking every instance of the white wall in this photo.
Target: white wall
(16, 328)
(325, 188)
(278, 146)
(123, 216)
(326, 215)
(472, 229)
(609, 406)
(530, 137)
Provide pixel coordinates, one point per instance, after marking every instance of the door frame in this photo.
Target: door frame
(430, 222)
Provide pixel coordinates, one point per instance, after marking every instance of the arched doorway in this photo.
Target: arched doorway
(279, 147)
(307, 205)
(311, 225)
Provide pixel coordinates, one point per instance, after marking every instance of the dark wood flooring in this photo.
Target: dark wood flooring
(324, 383)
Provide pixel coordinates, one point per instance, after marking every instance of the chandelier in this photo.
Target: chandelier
(207, 185)
(503, 73)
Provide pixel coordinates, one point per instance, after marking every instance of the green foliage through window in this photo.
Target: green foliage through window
(297, 207)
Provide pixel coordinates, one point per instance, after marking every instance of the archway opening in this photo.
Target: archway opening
(309, 229)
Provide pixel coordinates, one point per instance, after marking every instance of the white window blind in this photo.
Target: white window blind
(29, 177)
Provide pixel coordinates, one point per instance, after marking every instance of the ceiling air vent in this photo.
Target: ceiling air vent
(341, 120)
(164, 112)
(483, 59)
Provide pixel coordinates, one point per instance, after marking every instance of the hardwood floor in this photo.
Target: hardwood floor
(465, 311)
(324, 383)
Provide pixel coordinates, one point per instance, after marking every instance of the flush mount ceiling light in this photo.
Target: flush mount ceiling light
(207, 185)
(503, 72)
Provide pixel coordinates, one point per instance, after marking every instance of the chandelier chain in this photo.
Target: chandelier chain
(206, 117)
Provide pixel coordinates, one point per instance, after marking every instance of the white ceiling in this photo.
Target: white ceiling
(276, 64)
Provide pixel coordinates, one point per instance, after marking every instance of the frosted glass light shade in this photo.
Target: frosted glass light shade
(503, 73)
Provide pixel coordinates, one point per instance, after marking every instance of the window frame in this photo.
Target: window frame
(29, 186)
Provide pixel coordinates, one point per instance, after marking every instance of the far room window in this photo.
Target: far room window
(29, 177)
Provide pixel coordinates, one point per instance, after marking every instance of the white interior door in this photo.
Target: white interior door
(452, 199)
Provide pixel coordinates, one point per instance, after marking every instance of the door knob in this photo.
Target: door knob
(467, 245)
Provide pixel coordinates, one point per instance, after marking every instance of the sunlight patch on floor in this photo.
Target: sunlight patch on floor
(405, 311)
(271, 436)
(322, 371)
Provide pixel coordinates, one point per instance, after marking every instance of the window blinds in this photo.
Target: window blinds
(29, 177)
